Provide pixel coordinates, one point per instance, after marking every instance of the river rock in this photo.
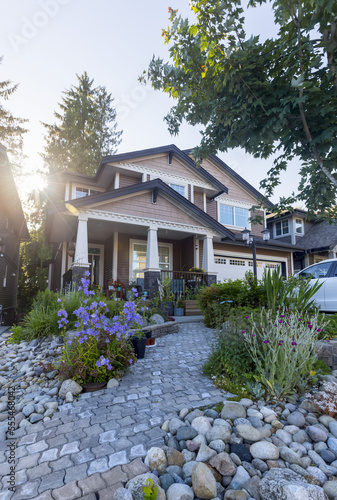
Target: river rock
(203, 482)
(156, 459)
(218, 432)
(264, 450)
(317, 434)
(223, 463)
(233, 410)
(69, 386)
(285, 484)
(179, 492)
(248, 432)
(296, 418)
(330, 488)
(135, 486)
(201, 424)
(240, 478)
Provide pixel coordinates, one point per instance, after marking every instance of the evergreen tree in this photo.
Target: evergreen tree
(11, 130)
(86, 129)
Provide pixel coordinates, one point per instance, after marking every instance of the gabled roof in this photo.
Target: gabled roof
(287, 213)
(10, 198)
(156, 186)
(234, 175)
(321, 235)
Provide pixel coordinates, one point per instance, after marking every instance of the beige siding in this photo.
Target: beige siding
(211, 207)
(235, 191)
(126, 180)
(141, 206)
(187, 254)
(161, 163)
(199, 199)
(259, 227)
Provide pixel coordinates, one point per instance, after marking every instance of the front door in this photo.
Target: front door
(95, 258)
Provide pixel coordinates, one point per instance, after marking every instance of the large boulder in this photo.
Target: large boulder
(284, 484)
(69, 386)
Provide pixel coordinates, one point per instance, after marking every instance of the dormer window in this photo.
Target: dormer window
(282, 228)
(299, 226)
(177, 187)
(81, 192)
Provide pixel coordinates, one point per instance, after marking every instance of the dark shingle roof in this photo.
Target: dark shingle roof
(321, 235)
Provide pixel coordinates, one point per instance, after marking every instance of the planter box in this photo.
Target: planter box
(192, 308)
(178, 311)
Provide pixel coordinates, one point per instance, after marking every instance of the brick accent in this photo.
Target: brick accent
(151, 283)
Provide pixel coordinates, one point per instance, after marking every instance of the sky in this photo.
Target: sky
(45, 43)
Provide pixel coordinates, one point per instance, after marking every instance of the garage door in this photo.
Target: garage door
(231, 267)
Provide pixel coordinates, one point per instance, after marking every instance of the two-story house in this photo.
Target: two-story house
(316, 239)
(153, 211)
(13, 229)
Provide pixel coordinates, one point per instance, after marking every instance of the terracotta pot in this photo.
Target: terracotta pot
(94, 386)
(152, 341)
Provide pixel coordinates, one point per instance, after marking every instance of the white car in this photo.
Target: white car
(324, 272)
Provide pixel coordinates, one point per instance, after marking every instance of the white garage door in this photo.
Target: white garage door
(231, 267)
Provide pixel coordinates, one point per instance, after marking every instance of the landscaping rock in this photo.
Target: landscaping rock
(240, 478)
(157, 319)
(317, 434)
(285, 484)
(156, 459)
(203, 482)
(249, 432)
(330, 489)
(179, 492)
(264, 450)
(201, 424)
(135, 486)
(112, 383)
(69, 386)
(223, 464)
(233, 410)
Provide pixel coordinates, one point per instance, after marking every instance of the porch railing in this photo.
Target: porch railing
(184, 282)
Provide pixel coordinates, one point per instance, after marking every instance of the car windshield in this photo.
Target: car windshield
(316, 271)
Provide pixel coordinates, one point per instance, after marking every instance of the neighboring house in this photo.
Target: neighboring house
(154, 211)
(317, 239)
(13, 229)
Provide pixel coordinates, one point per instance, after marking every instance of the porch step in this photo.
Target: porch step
(192, 308)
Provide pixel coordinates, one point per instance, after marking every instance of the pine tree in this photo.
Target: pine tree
(11, 131)
(86, 129)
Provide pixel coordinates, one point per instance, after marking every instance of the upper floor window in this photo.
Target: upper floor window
(81, 192)
(234, 216)
(299, 226)
(282, 228)
(180, 189)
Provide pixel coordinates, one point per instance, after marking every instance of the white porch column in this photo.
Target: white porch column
(196, 252)
(152, 259)
(115, 257)
(208, 255)
(81, 252)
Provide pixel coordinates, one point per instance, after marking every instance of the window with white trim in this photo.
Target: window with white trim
(282, 228)
(139, 258)
(299, 228)
(235, 262)
(234, 216)
(81, 192)
(177, 187)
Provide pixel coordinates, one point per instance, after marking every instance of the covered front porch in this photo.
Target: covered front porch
(132, 252)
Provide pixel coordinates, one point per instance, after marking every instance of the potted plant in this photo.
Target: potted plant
(179, 307)
(167, 304)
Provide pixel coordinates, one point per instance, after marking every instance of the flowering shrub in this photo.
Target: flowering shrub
(282, 347)
(100, 348)
(325, 399)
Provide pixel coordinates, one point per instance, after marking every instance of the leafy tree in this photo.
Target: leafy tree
(11, 130)
(277, 97)
(86, 129)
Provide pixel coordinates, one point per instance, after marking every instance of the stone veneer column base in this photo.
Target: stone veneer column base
(77, 275)
(151, 282)
(210, 279)
(327, 351)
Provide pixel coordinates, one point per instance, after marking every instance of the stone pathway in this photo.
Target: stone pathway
(88, 445)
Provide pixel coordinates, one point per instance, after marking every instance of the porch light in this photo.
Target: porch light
(72, 209)
(245, 234)
(266, 234)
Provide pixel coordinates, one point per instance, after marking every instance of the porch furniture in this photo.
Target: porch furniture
(115, 288)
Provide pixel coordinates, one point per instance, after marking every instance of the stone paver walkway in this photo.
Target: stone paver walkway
(88, 444)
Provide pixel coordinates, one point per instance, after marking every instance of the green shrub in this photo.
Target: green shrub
(330, 329)
(17, 334)
(40, 322)
(282, 347)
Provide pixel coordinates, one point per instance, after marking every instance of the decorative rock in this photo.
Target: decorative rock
(296, 418)
(186, 432)
(179, 492)
(328, 456)
(289, 456)
(28, 410)
(223, 464)
(240, 478)
(174, 469)
(112, 383)
(156, 459)
(239, 421)
(330, 488)
(174, 425)
(205, 453)
(233, 410)
(218, 445)
(174, 457)
(260, 465)
(35, 417)
(333, 428)
(135, 486)
(201, 425)
(194, 414)
(287, 485)
(122, 494)
(69, 397)
(218, 432)
(317, 434)
(284, 436)
(255, 421)
(332, 444)
(301, 436)
(157, 319)
(318, 474)
(236, 495)
(242, 452)
(248, 432)
(188, 467)
(69, 386)
(165, 481)
(203, 482)
(251, 412)
(264, 450)
(192, 446)
(189, 456)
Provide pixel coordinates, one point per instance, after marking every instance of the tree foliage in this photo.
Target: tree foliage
(274, 97)
(11, 129)
(86, 129)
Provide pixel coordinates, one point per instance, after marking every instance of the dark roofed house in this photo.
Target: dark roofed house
(317, 240)
(13, 230)
(153, 213)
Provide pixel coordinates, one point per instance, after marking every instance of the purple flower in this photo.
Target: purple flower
(243, 331)
(280, 321)
(310, 327)
(247, 317)
(293, 343)
(266, 341)
(318, 330)
(59, 300)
